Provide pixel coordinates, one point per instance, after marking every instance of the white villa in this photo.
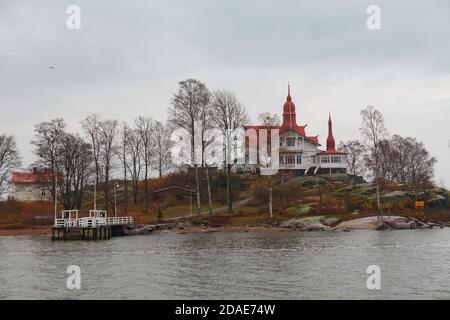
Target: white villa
(299, 152)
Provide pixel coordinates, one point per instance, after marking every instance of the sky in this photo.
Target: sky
(128, 56)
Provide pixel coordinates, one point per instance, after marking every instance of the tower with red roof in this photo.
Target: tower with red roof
(300, 152)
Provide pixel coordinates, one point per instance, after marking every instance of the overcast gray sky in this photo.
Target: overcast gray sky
(129, 55)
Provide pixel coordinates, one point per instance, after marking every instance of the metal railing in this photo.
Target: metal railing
(92, 222)
(119, 220)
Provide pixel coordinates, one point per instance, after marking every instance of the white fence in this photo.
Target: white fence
(92, 222)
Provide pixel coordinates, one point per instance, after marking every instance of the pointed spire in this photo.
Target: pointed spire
(331, 144)
(289, 117)
(289, 92)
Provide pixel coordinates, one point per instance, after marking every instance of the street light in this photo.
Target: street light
(115, 199)
(190, 198)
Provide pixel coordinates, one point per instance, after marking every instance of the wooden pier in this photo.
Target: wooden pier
(95, 227)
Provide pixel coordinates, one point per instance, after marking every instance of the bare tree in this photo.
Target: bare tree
(122, 154)
(48, 135)
(410, 162)
(229, 114)
(404, 160)
(73, 163)
(355, 151)
(9, 160)
(421, 166)
(188, 109)
(134, 161)
(400, 149)
(145, 128)
(373, 130)
(108, 131)
(162, 147)
(91, 126)
(268, 121)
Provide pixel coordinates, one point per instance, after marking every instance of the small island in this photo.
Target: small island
(150, 177)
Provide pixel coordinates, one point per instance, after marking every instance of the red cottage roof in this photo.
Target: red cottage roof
(30, 177)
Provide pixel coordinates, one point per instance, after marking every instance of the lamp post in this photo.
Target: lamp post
(95, 193)
(56, 198)
(190, 199)
(115, 199)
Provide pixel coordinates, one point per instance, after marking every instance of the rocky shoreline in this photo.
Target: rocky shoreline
(314, 223)
(323, 223)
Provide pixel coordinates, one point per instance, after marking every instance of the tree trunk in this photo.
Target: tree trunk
(209, 191)
(135, 192)
(197, 182)
(106, 190)
(146, 191)
(125, 187)
(229, 200)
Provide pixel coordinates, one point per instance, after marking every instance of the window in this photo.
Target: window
(290, 142)
(281, 142)
(290, 160)
(44, 192)
(335, 159)
(299, 159)
(325, 160)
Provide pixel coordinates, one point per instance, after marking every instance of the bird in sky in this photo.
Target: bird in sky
(51, 68)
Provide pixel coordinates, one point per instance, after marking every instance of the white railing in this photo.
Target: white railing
(119, 220)
(92, 222)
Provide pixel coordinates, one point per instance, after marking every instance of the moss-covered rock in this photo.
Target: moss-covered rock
(302, 208)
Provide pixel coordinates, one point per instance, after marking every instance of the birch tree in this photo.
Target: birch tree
(9, 160)
(267, 121)
(134, 161)
(123, 155)
(91, 126)
(48, 135)
(73, 164)
(229, 114)
(355, 151)
(144, 127)
(162, 143)
(373, 131)
(188, 109)
(108, 131)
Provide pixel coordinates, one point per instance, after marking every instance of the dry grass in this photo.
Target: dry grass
(17, 215)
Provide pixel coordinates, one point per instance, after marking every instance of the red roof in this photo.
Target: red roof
(30, 177)
(289, 122)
